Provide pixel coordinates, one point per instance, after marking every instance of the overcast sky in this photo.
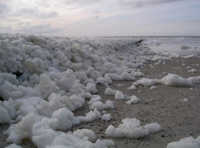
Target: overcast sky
(100, 17)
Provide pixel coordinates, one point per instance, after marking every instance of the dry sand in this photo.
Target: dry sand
(162, 104)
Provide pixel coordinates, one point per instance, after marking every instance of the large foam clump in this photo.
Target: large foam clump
(119, 95)
(170, 80)
(110, 91)
(96, 103)
(147, 82)
(43, 80)
(188, 142)
(90, 116)
(133, 100)
(8, 111)
(13, 146)
(106, 117)
(175, 80)
(46, 85)
(56, 101)
(23, 129)
(85, 134)
(63, 119)
(132, 128)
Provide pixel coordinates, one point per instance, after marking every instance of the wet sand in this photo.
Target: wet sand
(162, 104)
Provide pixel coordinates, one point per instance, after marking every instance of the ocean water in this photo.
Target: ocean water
(177, 46)
(168, 45)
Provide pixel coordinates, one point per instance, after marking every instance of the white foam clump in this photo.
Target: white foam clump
(44, 137)
(104, 143)
(132, 87)
(109, 91)
(46, 85)
(4, 117)
(74, 102)
(72, 141)
(28, 105)
(104, 80)
(185, 100)
(7, 110)
(90, 116)
(175, 80)
(23, 129)
(146, 82)
(188, 142)
(106, 117)
(8, 84)
(13, 146)
(91, 87)
(94, 98)
(133, 100)
(170, 80)
(192, 70)
(31, 124)
(63, 119)
(66, 80)
(119, 95)
(131, 128)
(85, 134)
(43, 134)
(47, 138)
(56, 101)
(8, 77)
(96, 103)
(101, 106)
(153, 87)
(10, 89)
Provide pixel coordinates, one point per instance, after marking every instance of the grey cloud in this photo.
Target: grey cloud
(128, 3)
(6, 10)
(3, 8)
(142, 3)
(81, 2)
(35, 13)
(40, 29)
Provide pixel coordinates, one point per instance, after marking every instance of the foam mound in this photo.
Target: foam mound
(132, 128)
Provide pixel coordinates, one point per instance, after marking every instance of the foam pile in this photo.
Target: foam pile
(188, 142)
(13, 146)
(133, 100)
(169, 80)
(43, 80)
(8, 111)
(96, 103)
(131, 128)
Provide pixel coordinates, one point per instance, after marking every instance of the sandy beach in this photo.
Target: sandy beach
(99, 74)
(175, 109)
(163, 104)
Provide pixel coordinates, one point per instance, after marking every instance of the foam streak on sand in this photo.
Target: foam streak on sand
(170, 80)
(131, 128)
